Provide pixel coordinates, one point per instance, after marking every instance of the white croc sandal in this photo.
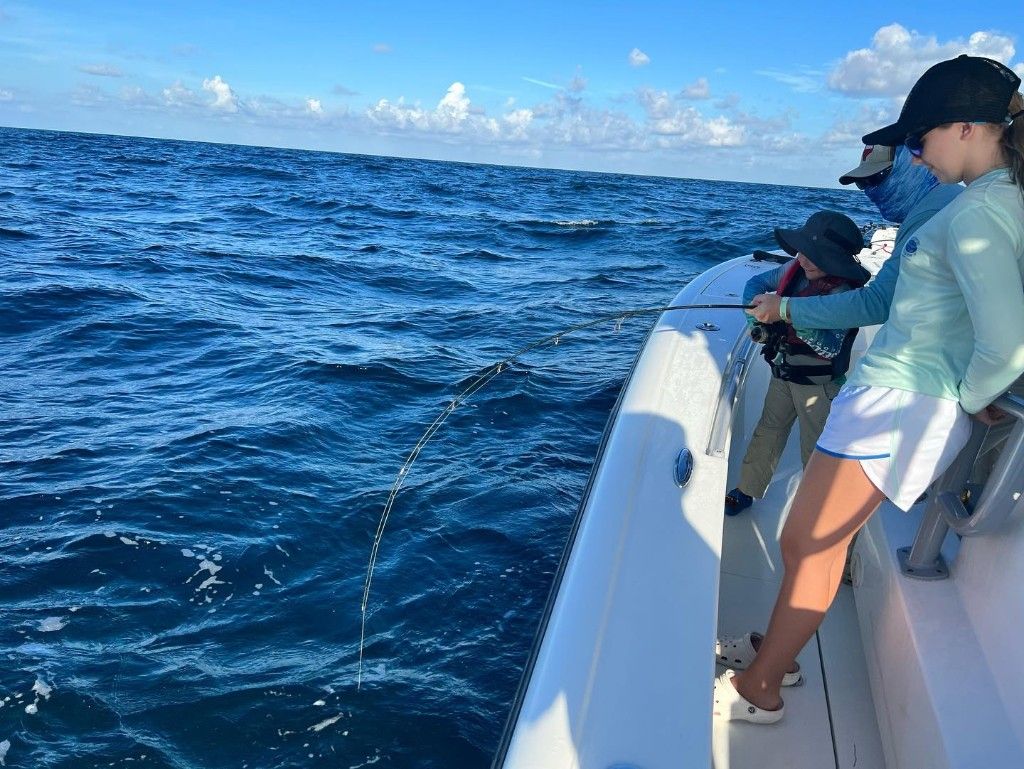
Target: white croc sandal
(738, 653)
(730, 705)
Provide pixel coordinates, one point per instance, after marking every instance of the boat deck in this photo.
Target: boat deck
(830, 719)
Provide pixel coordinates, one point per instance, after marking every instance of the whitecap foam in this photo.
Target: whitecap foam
(52, 624)
(325, 723)
(42, 691)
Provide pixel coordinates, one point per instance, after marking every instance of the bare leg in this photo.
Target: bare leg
(834, 500)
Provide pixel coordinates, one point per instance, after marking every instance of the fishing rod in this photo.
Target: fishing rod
(482, 379)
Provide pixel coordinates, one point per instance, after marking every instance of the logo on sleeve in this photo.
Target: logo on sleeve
(911, 248)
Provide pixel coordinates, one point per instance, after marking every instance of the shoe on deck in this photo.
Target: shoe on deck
(736, 502)
(730, 705)
(737, 653)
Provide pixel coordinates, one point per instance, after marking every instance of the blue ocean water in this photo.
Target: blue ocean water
(215, 361)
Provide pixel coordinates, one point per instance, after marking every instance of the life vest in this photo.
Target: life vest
(790, 357)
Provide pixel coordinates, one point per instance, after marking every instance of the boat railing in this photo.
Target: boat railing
(1001, 496)
(732, 383)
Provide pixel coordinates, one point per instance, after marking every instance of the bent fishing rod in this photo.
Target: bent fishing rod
(474, 386)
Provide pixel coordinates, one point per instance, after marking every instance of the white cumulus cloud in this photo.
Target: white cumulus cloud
(517, 123)
(638, 58)
(177, 95)
(133, 94)
(454, 114)
(680, 123)
(224, 97)
(6, 95)
(898, 56)
(454, 107)
(676, 123)
(698, 89)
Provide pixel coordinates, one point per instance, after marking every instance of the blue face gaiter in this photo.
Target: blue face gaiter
(902, 189)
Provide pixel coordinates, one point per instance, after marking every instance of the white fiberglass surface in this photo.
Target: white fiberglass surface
(623, 672)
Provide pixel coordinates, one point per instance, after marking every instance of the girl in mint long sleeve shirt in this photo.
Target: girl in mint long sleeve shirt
(953, 341)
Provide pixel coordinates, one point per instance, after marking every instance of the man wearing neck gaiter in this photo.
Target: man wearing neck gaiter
(904, 193)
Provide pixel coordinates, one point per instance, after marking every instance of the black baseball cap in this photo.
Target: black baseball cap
(829, 239)
(967, 89)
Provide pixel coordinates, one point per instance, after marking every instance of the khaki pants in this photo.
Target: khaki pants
(784, 403)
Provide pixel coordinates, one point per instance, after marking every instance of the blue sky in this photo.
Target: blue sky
(738, 91)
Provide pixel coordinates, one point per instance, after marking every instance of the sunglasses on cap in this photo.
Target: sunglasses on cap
(874, 180)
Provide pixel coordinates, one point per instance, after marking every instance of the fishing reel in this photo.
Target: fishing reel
(760, 333)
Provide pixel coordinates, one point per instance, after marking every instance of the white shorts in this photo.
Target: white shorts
(903, 440)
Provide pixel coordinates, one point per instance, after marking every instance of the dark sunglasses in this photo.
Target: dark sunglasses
(915, 143)
(874, 180)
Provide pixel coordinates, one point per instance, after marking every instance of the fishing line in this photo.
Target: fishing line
(482, 379)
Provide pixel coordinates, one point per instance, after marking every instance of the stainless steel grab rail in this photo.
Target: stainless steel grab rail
(1002, 495)
(732, 381)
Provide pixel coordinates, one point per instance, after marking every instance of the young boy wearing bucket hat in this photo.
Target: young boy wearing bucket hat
(808, 365)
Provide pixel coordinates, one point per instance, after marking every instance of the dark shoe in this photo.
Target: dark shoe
(736, 502)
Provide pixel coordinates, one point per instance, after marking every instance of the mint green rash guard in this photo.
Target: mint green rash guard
(870, 305)
(956, 323)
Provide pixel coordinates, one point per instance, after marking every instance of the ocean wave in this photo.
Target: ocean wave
(413, 281)
(435, 188)
(138, 160)
(486, 255)
(249, 171)
(72, 297)
(579, 223)
(16, 234)
(577, 230)
(249, 210)
(384, 211)
(365, 374)
(314, 204)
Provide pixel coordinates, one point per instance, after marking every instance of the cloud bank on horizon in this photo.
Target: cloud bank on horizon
(698, 125)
